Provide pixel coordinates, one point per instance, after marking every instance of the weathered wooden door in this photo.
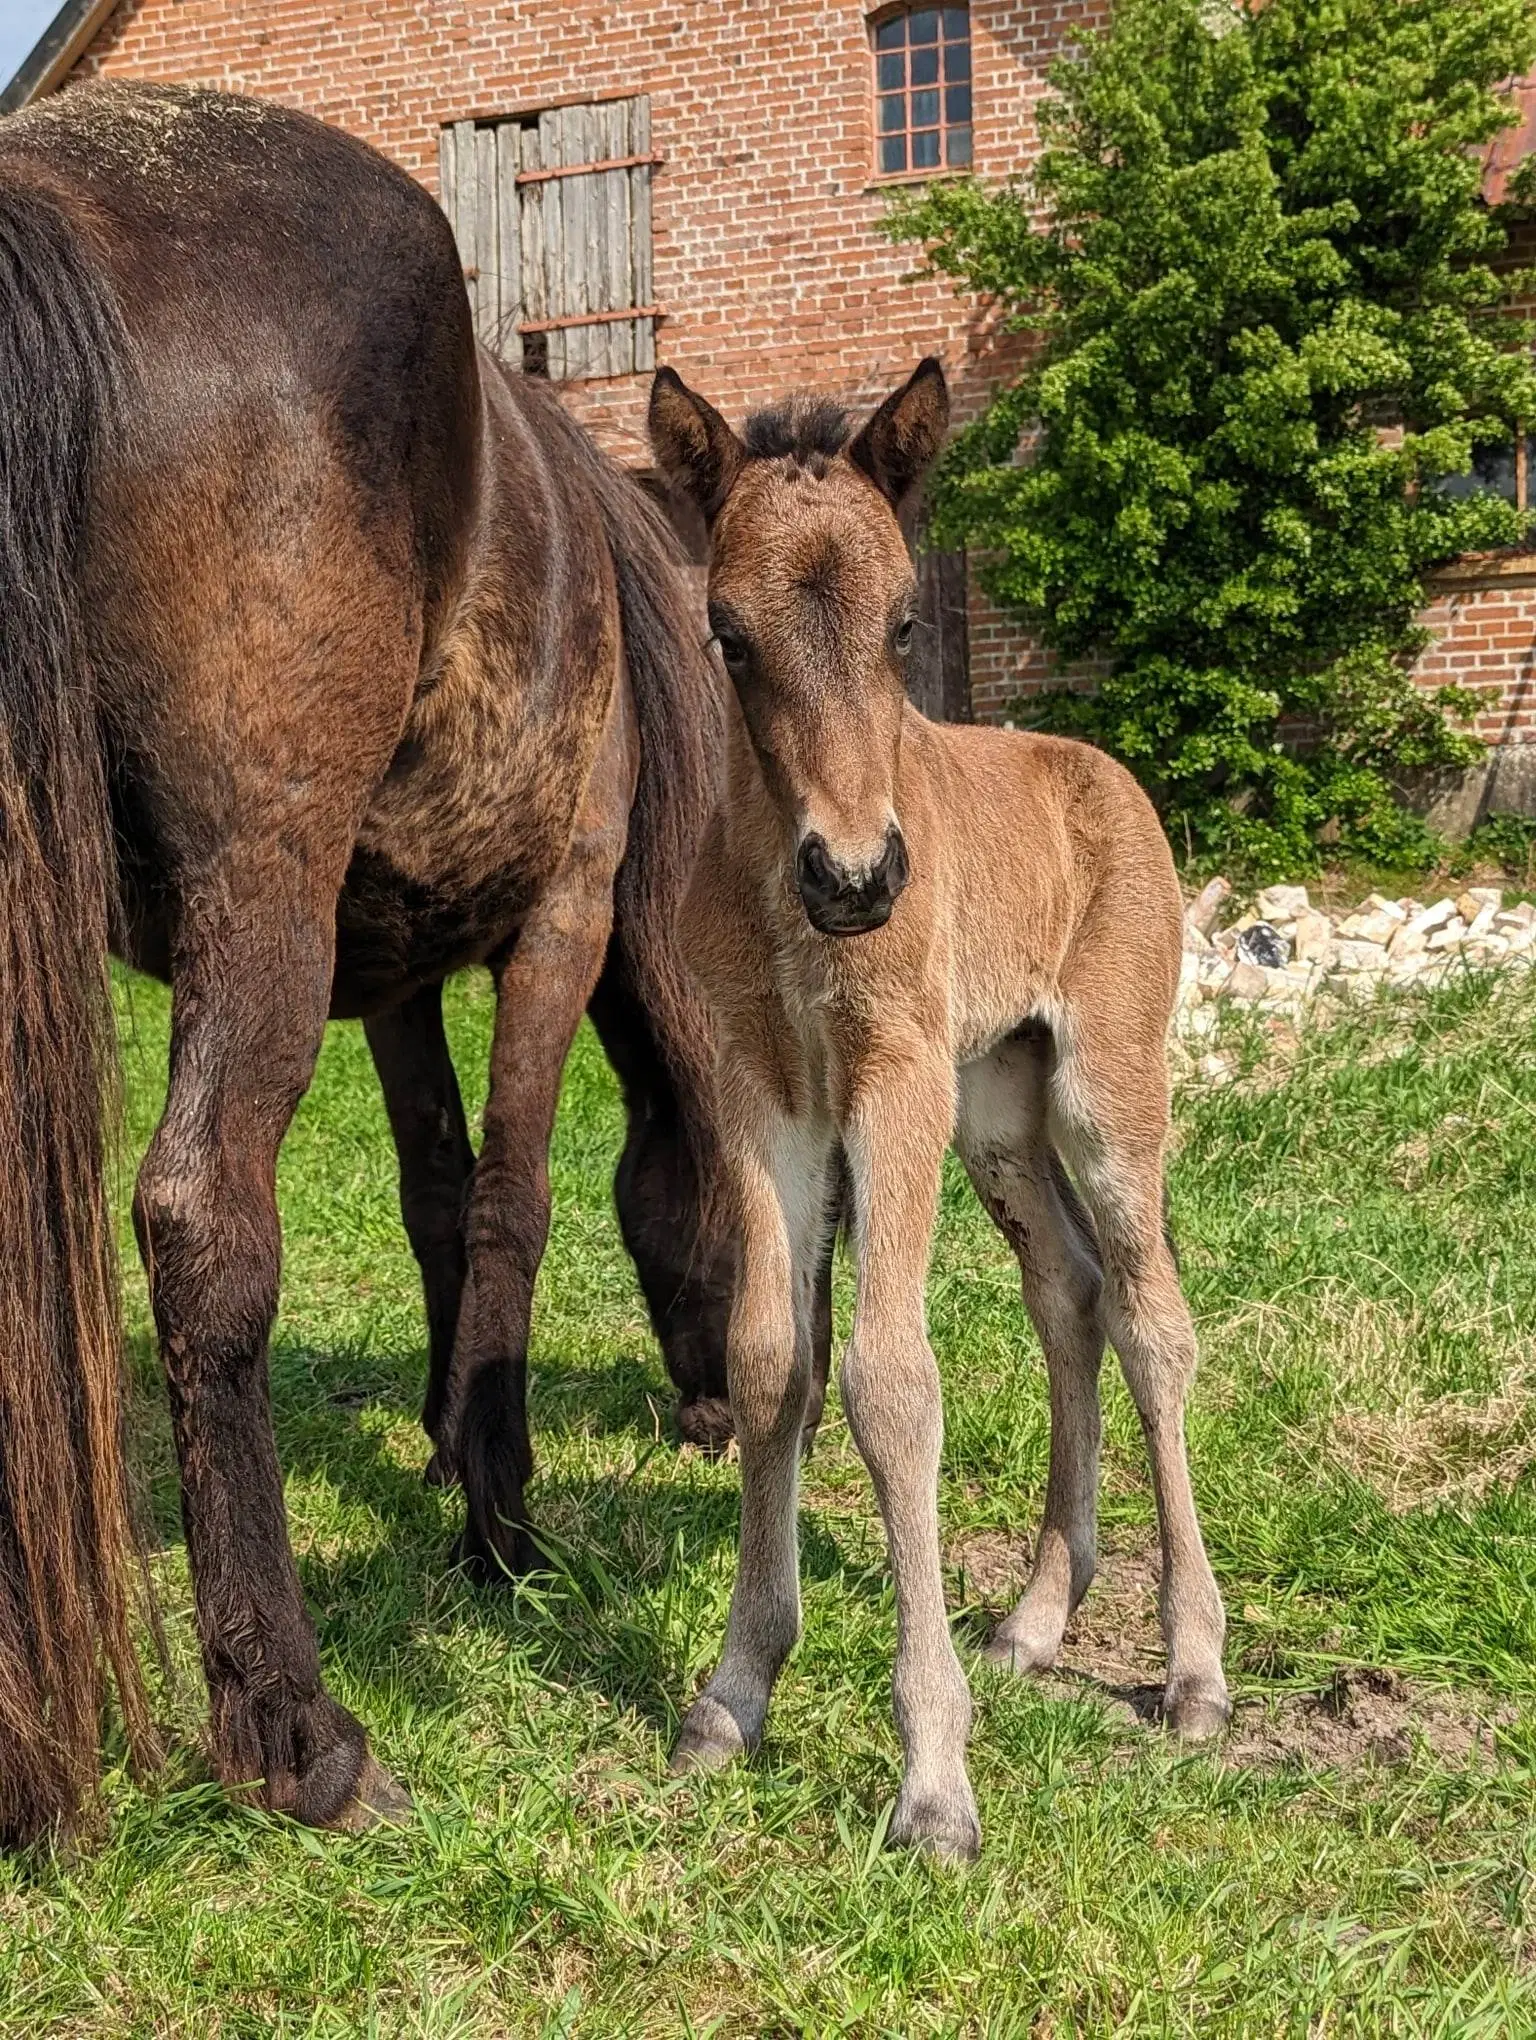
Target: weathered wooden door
(552, 214)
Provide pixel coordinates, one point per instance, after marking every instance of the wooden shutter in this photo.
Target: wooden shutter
(939, 679)
(554, 255)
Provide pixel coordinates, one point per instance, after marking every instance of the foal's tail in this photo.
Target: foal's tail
(66, 1549)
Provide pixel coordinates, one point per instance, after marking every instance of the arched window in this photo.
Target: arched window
(922, 89)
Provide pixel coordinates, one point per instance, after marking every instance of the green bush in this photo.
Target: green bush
(1252, 240)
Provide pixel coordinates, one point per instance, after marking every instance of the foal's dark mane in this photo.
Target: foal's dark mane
(802, 428)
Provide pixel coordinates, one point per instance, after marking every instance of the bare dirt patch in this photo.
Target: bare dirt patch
(1113, 1653)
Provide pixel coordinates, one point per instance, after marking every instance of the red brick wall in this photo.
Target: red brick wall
(766, 253)
(1485, 639)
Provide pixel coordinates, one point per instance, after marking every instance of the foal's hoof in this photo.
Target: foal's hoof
(946, 1828)
(1195, 1712)
(709, 1739)
(377, 1801)
(1021, 1653)
(706, 1423)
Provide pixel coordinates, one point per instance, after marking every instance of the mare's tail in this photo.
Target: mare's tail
(66, 1549)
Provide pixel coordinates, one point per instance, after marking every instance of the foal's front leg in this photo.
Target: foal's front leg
(895, 1139)
(779, 1169)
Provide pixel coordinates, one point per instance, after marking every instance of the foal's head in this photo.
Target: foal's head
(812, 600)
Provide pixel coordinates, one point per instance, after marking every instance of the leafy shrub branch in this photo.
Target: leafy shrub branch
(1270, 308)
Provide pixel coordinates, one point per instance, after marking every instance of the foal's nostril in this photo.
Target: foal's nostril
(892, 872)
(816, 875)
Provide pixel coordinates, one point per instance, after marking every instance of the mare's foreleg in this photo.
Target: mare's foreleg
(543, 982)
(894, 1138)
(426, 1116)
(667, 1187)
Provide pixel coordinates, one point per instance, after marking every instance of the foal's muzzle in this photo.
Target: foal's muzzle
(838, 901)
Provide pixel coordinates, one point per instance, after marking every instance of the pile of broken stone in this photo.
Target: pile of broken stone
(1284, 952)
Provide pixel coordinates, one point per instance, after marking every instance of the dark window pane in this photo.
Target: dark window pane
(893, 114)
(957, 24)
(957, 147)
(957, 61)
(890, 35)
(957, 105)
(925, 66)
(893, 153)
(925, 150)
(925, 109)
(924, 27)
(892, 68)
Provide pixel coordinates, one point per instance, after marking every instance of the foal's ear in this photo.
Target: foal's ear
(900, 443)
(694, 447)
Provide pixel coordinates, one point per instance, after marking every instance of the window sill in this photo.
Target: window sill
(898, 179)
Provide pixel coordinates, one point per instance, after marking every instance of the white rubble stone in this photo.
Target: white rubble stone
(1202, 910)
(1277, 903)
(1482, 924)
(1215, 1069)
(1489, 949)
(1451, 936)
(1195, 943)
(1407, 943)
(1519, 940)
(1522, 913)
(1476, 897)
(1395, 910)
(1313, 934)
(1225, 942)
(1246, 981)
(1375, 926)
(1354, 956)
(1431, 918)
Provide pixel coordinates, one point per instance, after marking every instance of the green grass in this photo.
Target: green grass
(1359, 1245)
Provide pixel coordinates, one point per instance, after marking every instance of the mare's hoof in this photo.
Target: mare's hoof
(709, 1739)
(503, 1563)
(438, 1472)
(1196, 1712)
(377, 1801)
(947, 1829)
(707, 1423)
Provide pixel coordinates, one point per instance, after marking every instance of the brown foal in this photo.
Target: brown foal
(912, 935)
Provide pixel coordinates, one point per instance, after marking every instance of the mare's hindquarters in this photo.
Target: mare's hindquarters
(65, 1541)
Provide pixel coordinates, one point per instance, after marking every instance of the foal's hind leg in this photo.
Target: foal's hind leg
(1110, 1105)
(1003, 1141)
(426, 1116)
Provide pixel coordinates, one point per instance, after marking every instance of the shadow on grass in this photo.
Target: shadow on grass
(619, 1612)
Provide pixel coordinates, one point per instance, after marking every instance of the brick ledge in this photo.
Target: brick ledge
(1512, 566)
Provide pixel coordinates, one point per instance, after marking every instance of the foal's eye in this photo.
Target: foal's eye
(733, 649)
(904, 635)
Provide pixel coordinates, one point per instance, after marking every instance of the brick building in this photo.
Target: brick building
(750, 149)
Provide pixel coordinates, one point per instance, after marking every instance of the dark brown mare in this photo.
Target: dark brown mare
(332, 658)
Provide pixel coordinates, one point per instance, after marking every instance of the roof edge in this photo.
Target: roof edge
(59, 48)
